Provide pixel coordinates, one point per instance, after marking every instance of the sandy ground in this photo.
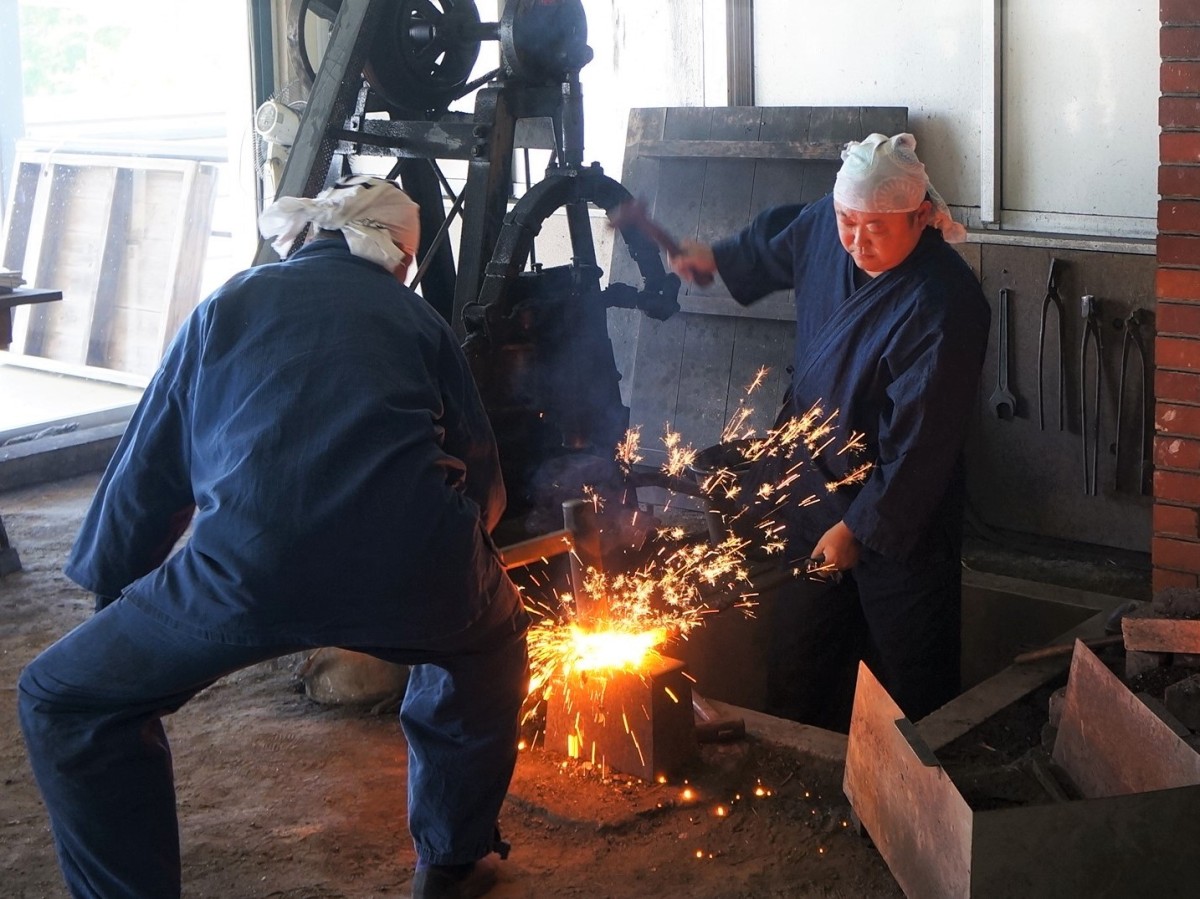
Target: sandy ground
(280, 796)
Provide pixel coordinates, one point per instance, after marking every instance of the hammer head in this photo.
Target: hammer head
(632, 214)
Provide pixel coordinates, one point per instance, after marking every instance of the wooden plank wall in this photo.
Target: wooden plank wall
(704, 173)
(124, 239)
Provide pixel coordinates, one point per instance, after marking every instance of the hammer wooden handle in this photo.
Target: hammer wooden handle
(1063, 649)
(632, 214)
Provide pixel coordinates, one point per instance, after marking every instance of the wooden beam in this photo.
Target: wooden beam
(820, 150)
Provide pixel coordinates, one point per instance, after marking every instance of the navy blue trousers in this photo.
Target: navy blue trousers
(91, 709)
(903, 621)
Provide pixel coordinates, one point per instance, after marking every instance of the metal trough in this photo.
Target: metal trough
(1126, 827)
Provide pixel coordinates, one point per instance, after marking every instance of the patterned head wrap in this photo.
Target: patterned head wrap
(883, 174)
(378, 219)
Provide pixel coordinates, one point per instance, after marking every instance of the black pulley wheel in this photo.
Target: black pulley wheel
(420, 59)
(424, 53)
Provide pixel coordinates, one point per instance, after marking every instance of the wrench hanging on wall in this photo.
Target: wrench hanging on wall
(1052, 298)
(1004, 404)
(1091, 336)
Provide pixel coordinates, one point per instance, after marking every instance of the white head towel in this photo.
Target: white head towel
(883, 174)
(379, 220)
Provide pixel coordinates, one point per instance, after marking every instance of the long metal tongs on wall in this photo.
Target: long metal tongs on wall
(1132, 340)
(1052, 298)
(1090, 308)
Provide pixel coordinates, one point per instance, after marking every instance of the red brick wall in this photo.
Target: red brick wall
(1176, 548)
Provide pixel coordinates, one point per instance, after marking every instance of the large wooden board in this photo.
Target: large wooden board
(907, 803)
(123, 238)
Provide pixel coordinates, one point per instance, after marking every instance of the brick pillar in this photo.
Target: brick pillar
(1176, 547)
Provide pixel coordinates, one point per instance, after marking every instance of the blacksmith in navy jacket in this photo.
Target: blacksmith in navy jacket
(317, 424)
(891, 330)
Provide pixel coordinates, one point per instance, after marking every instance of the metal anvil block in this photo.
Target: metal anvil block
(637, 722)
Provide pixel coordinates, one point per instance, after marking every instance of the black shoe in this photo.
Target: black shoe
(455, 881)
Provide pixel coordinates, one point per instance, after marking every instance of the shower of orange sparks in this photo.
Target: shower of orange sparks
(735, 428)
(627, 449)
(591, 495)
(679, 458)
(646, 608)
(857, 476)
(558, 650)
(664, 599)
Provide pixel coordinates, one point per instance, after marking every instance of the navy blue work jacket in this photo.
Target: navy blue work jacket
(898, 358)
(321, 419)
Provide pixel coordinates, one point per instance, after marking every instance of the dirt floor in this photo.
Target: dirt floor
(280, 796)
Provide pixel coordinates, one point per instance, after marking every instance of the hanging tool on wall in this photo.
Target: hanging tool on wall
(1132, 341)
(1090, 308)
(1004, 404)
(1052, 298)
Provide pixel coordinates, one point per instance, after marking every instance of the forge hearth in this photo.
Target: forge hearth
(1114, 814)
(635, 721)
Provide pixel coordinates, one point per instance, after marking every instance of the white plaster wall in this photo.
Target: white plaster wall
(1081, 106)
(923, 54)
(648, 53)
(1078, 90)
